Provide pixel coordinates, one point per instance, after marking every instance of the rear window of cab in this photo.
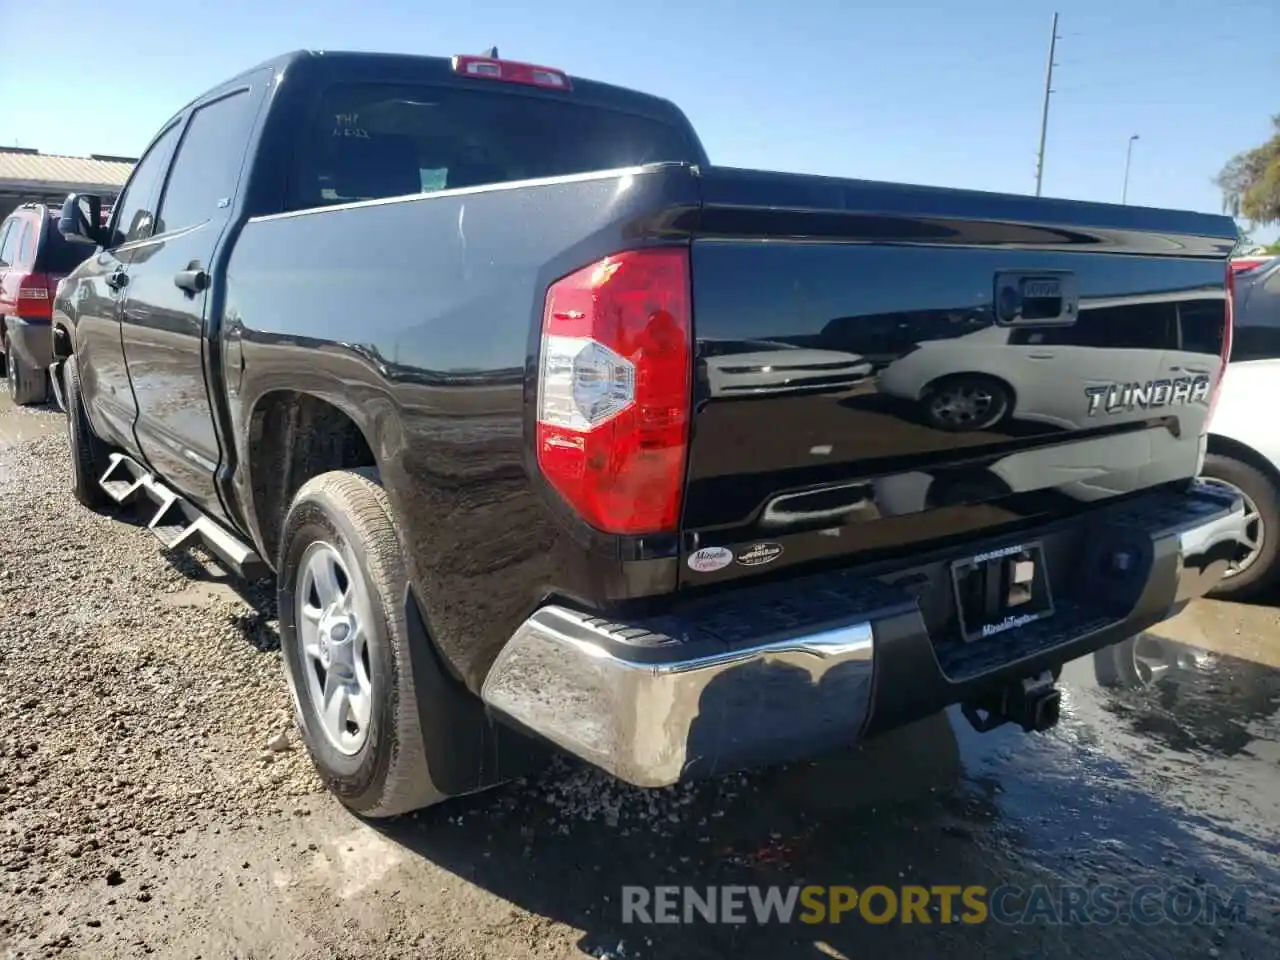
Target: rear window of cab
(371, 140)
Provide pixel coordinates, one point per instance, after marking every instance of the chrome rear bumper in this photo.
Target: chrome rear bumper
(646, 715)
(1204, 547)
(731, 683)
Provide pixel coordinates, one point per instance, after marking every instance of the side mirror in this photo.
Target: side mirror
(80, 225)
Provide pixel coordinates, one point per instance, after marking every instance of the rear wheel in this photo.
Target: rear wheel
(1256, 570)
(345, 640)
(88, 453)
(1140, 661)
(26, 386)
(967, 402)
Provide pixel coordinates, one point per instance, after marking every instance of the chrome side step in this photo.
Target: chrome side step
(176, 523)
(55, 382)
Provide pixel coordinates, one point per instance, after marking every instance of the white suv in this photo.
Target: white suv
(1244, 435)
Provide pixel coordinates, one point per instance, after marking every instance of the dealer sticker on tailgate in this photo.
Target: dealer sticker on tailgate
(709, 559)
(758, 554)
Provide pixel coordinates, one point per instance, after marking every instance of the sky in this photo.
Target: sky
(947, 94)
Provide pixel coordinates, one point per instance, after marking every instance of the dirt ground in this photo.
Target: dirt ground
(147, 806)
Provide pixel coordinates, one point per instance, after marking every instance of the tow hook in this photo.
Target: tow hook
(1034, 704)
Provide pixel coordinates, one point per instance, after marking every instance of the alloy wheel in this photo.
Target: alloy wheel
(331, 609)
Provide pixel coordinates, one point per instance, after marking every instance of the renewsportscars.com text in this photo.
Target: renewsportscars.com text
(971, 904)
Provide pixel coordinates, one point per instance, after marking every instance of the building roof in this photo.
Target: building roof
(26, 168)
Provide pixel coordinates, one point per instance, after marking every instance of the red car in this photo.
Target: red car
(1239, 264)
(34, 256)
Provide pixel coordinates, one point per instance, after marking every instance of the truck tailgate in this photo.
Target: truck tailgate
(883, 366)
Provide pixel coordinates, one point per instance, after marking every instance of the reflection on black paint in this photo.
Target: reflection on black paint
(950, 408)
(759, 368)
(883, 338)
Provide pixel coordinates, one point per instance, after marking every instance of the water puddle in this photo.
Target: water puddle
(18, 426)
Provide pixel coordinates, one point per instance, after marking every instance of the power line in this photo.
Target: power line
(1044, 115)
(1128, 159)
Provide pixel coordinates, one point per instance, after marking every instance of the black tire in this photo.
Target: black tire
(88, 452)
(999, 405)
(1262, 573)
(26, 386)
(388, 774)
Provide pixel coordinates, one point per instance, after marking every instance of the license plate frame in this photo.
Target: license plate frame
(1000, 590)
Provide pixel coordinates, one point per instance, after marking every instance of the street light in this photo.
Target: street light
(1128, 156)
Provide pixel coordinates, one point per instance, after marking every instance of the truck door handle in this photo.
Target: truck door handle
(117, 279)
(193, 280)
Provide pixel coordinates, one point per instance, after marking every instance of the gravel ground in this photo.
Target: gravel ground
(153, 800)
(140, 697)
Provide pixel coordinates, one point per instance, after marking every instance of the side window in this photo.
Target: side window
(1257, 320)
(134, 213)
(27, 245)
(1272, 283)
(1142, 326)
(9, 242)
(207, 167)
(1202, 324)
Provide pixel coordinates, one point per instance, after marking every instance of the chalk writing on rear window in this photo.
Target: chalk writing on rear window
(348, 125)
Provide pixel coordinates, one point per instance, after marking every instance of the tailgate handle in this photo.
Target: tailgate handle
(1039, 298)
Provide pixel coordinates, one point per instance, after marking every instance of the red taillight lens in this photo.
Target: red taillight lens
(35, 295)
(614, 389)
(1228, 331)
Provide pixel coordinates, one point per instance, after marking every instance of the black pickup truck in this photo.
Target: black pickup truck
(553, 432)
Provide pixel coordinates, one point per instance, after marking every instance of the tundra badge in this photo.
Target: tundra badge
(1127, 397)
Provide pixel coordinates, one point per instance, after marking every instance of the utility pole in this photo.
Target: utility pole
(1128, 156)
(1044, 115)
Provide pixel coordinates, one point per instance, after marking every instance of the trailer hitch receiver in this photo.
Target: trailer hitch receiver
(1034, 704)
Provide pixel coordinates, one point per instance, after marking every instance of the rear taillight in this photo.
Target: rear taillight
(35, 295)
(614, 389)
(1228, 331)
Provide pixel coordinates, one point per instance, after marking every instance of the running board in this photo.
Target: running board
(55, 381)
(177, 523)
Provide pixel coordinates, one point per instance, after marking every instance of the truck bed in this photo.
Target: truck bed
(843, 302)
